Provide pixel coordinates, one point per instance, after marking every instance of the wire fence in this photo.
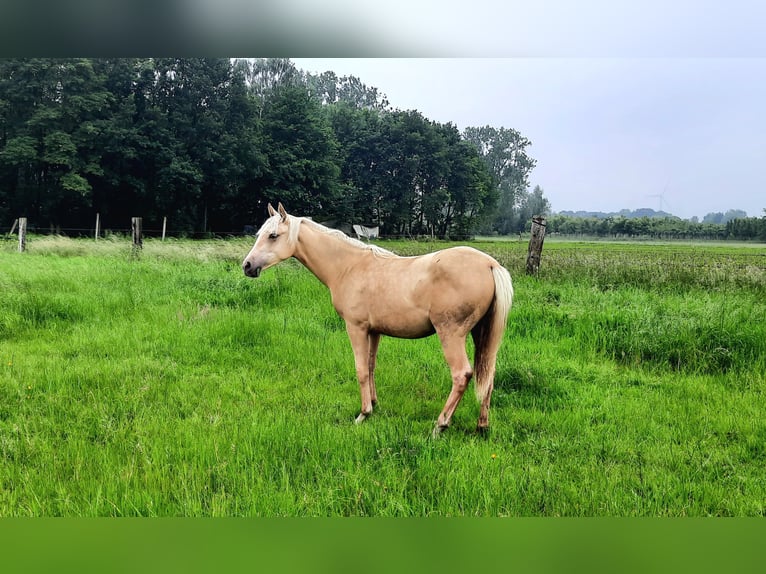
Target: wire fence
(8, 232)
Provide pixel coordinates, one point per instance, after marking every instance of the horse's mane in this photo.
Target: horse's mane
(294, 226)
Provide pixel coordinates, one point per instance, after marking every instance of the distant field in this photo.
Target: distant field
(631, 383)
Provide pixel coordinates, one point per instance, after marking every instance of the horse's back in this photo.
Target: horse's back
(464, 257)
(458, 271)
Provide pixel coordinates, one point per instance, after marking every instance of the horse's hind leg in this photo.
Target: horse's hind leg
(460, 368)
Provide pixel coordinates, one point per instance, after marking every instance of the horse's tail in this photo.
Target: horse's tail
(488, 333)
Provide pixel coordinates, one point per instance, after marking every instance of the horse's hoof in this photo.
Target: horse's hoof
(360, 418)
(438, 430)
(482, 431)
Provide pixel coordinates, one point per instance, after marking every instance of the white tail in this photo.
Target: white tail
(488, 334)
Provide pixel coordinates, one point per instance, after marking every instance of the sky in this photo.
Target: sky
(628, 104)
(682, 134)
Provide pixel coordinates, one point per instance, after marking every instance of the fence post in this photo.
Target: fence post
(13, 227)
(98, 225)
(138, 241)
(164, 226)
(22, 234)
(535, 245)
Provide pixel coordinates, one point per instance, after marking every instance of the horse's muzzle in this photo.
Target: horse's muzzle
(251, 270)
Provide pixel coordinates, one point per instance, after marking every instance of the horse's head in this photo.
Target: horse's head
(274, 243)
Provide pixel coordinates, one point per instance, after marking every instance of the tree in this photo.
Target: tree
(236, 194)
(713, 218)
(52, 111)
(747, 228)
(301, 153)
(534, 204)
(126, 152)
(264, 78)
(328, 88)
(733, 214)
(408, 174)
(472, 196)
(362, 180)
(504, 151)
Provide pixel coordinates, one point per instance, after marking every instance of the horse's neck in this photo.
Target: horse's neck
(325, 255)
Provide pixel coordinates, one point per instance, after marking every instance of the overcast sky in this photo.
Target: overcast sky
(608, 133)
(623, 100)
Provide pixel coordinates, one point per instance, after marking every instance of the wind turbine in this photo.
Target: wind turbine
(661, 197)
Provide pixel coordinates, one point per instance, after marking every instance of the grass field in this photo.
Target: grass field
(631, 382)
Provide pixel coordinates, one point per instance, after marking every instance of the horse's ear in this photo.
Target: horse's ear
(282, 211)
(272, 212)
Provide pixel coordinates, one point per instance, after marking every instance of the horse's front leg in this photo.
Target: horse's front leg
(374, 340)
(360, 343)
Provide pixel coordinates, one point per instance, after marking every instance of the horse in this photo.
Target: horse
(452, 292)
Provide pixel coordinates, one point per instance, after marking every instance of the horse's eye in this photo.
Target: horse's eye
(273, 236)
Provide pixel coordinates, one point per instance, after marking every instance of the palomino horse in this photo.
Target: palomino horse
(451, 292)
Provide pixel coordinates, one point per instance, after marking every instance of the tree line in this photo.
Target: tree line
(208, 142)
(747, 228)
(742, 228)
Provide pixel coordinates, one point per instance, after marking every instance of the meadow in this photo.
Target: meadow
(631, 382)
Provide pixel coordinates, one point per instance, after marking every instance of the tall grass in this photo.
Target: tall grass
(631, 382)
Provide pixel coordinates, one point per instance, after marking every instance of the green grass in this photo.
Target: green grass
(631, 383)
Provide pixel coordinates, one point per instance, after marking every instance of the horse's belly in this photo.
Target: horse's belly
(403, 328)
(385, 304)
(398, 319)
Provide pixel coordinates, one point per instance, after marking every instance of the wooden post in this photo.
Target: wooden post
(13, 227)
(164, 226)
(138, 240)
(22, 234)
(98, 225)
(535, 245)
